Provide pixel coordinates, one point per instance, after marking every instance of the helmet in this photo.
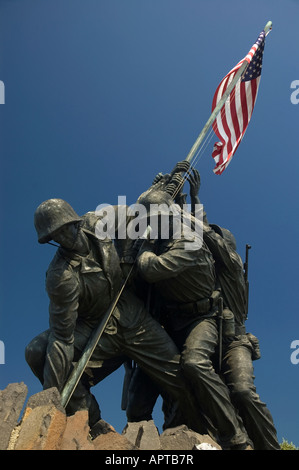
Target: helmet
(52, 215)
(156, 201)
(226, 234)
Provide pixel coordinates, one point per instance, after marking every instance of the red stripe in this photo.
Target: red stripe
(253, 92)
(215, 101)
(244, 105)
(227, 132)
(228, 123)
(233, 111)
(223, 114)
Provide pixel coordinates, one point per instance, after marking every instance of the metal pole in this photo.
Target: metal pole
(220, 104)
(220, 316)
(248, 247)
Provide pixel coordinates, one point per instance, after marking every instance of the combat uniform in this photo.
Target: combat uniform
(183, 273)
(80, 290)
(241, 348)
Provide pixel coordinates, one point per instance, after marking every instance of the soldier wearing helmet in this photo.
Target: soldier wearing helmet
(82, 280)
(51, 216)
(183, 275)
(239, 348)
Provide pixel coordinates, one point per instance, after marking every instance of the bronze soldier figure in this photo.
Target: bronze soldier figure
(186, 282)
(239, 348)
(81, 282)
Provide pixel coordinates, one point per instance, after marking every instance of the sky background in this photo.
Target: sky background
(101, 95)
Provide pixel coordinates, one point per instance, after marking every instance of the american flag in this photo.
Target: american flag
(233, 119)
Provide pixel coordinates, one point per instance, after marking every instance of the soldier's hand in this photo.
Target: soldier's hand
(157, 178)
(194, 180)
(147, 246)
(181, 167)
(175, 185)
(171, 189)
(178, 180)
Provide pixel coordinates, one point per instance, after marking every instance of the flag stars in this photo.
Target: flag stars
(255, 66)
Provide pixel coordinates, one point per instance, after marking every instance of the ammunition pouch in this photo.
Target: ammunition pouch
(256, 353)
(228, 326)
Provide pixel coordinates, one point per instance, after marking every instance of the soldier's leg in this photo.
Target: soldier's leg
(35, 354)
(211, 392)
(102, 364)
(142, 396)
(237, 369)
(173, 413)
(157, 355)
(49, 359)
(82, 398)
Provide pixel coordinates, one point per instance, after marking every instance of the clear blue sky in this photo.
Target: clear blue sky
(100, 95)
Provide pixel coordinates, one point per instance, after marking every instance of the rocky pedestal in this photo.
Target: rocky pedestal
(11, 403)
(45, 426)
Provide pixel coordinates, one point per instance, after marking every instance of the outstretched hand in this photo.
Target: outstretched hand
(176, 184)
(157, 178)
(181, 167)
(194, 181)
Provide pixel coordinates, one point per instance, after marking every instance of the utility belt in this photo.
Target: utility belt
(200, 307)
(203, 307)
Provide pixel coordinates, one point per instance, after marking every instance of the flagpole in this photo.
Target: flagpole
(220, 104)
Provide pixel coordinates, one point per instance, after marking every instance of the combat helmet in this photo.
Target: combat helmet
(52, 215)
(156, 201)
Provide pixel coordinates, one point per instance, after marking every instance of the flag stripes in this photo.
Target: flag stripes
(231, 123)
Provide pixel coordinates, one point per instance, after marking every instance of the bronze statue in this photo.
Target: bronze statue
(239, 348)
(81, 282)
(186, 282)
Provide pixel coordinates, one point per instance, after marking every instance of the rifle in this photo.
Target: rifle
(248, 247)
(220, 317)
